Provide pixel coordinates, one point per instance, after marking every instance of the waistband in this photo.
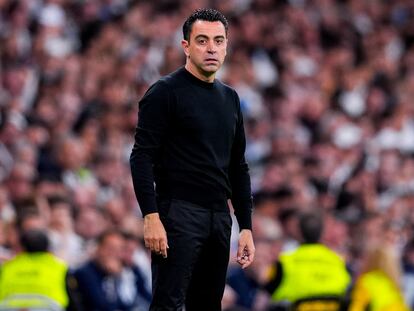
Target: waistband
(206, 198)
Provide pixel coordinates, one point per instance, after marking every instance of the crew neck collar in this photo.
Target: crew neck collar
(196, 80)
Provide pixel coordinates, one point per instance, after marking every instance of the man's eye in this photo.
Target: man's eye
(202, 41)
(220, 41)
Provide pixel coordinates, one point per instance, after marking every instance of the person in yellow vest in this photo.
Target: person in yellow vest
(34, 277)
(311, 271)
(378, 286)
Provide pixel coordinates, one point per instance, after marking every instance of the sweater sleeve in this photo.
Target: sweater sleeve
(239, 176)
(153, 122)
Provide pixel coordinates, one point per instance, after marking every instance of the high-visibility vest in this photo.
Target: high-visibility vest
(37, 274)
(377, 290)
(312, 270)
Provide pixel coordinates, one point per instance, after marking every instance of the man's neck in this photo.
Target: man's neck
(198, 75)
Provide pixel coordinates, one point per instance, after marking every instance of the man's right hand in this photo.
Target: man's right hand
(155, 236)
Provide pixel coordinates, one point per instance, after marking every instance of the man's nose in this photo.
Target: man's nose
(211, 47)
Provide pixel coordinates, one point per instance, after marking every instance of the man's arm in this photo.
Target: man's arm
(73, 293)
(274, 278)
(241, 193)
(153, 122)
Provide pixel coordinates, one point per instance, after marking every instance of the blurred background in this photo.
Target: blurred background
(326, 88)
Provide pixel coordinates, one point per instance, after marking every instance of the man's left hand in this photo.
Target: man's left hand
(245, 251)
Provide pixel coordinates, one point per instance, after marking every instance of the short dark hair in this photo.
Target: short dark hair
(107, 233)
(34, 240)
(311, 226)
(209, 15)
(55, 199)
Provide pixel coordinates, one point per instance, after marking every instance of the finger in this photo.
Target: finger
(157, 252)
(166, 251)
(241, 262)
(244, 254)
(243, 258)
(163, 248)
(240, 251)
(249, 257)
(156, 246)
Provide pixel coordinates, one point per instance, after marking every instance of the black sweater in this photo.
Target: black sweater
(190, 141)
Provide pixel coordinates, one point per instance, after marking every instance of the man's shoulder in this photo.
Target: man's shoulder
(88, 267)
(318, 250)
(172, 78)
(165, 84)
(225, 87)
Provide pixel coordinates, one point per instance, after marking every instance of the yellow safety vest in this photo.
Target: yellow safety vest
(377, 290)
(37, 274)
(312, 270)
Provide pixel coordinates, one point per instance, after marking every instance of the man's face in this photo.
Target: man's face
(206, 48)
(109, 254)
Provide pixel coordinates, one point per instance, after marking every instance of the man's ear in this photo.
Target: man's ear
(185, 44)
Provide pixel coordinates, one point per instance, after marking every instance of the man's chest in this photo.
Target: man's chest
(205, 116)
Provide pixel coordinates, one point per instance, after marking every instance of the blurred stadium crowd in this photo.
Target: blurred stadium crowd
(326, 88)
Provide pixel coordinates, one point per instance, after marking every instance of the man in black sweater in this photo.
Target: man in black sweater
(190, 142)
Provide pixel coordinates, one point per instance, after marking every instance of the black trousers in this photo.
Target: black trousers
(194, 273)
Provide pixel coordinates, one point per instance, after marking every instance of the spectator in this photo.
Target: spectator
(45, 276)
(101, 281)
(65, 243)
(378, 285)
(312, 271)
(327, 104)
(133, 289)
(289, 220)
